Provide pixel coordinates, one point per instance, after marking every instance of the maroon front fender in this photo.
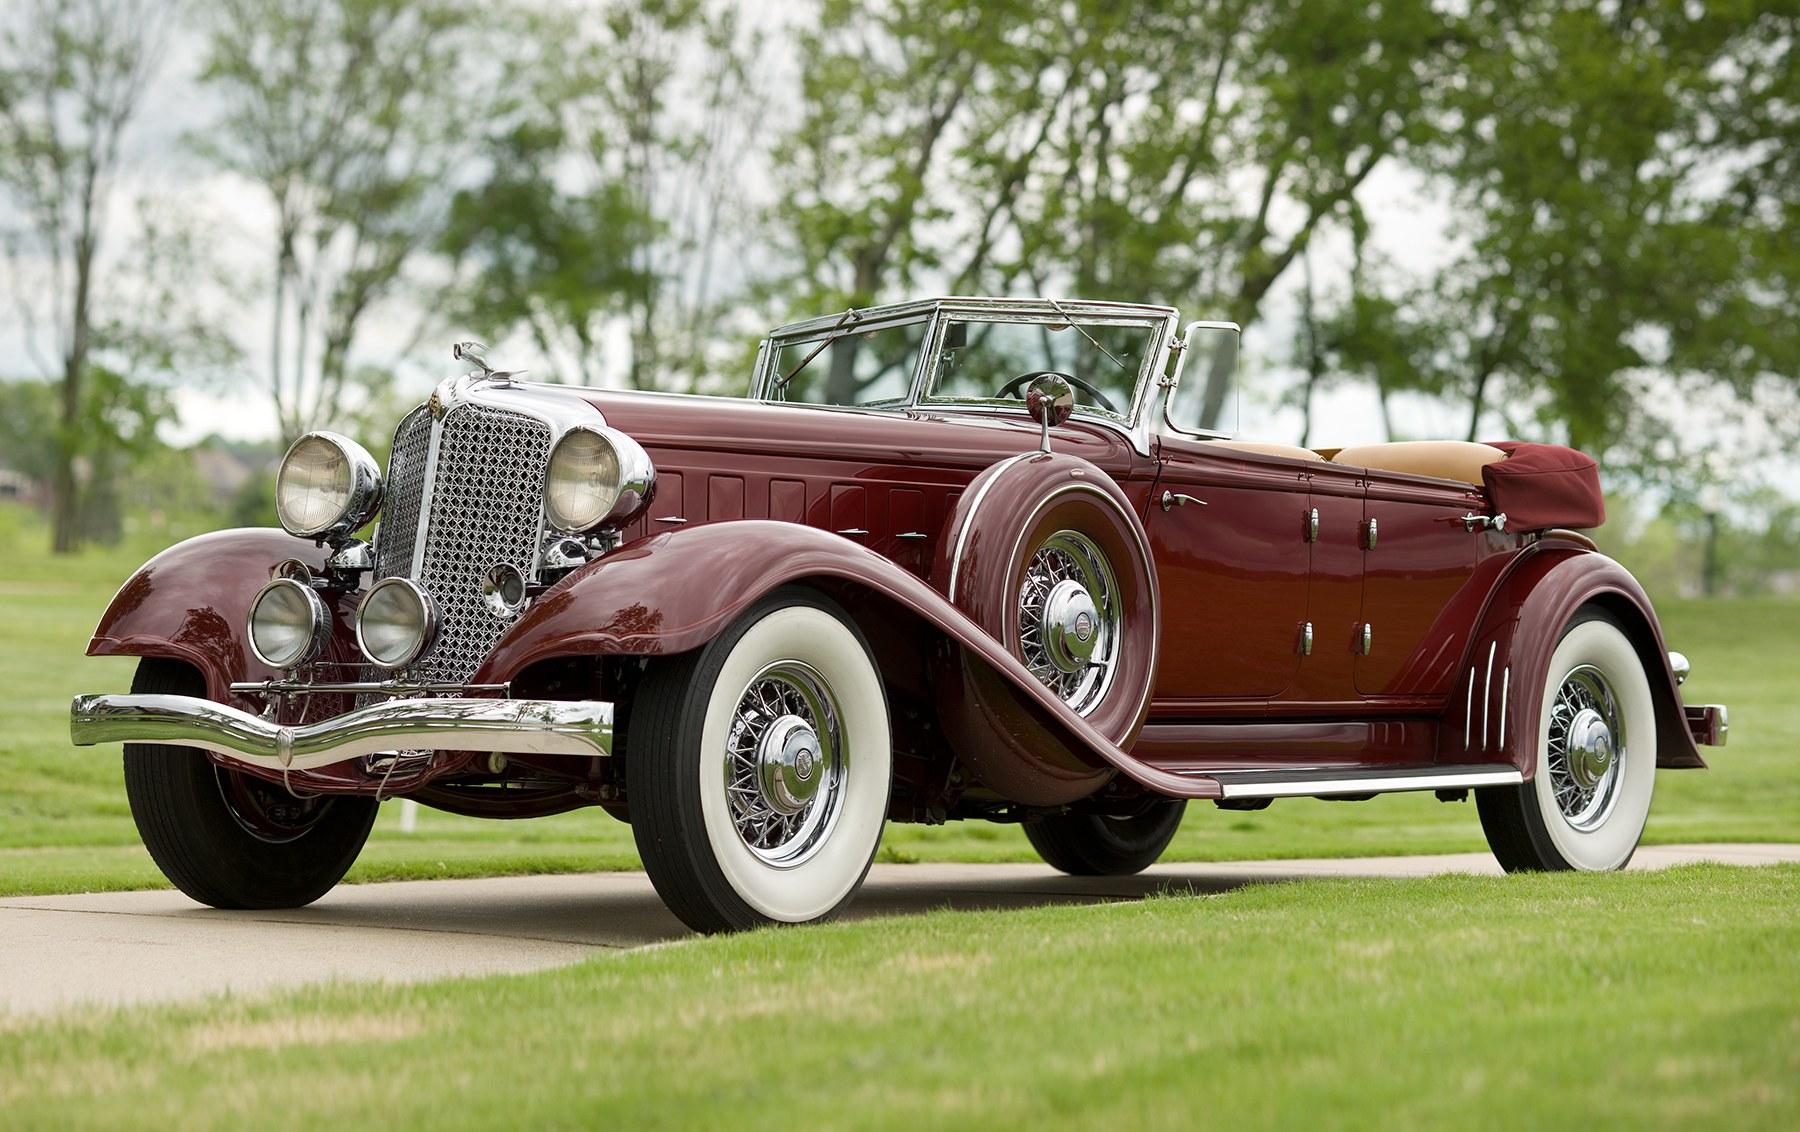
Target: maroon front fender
(1498, 697)
(191, 603)
(675, 591)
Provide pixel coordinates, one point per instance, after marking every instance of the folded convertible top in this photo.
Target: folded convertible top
(1544, 485)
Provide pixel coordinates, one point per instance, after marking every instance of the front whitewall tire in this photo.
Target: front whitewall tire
(759, 767)
(816, 882)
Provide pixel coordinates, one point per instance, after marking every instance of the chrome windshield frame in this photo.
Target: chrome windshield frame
(1162, 322)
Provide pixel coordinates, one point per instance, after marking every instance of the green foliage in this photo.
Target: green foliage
(1180, 151)
(608, 223)
(1743, 546)
(1610, 169)
(72, 74)
(348, 115)
(111, 441)
(557, 263)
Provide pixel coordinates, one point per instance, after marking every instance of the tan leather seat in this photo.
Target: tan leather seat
(1442, 459)
(1291, 451)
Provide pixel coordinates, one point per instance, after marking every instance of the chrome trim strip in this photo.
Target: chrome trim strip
(1487, 695)
(383, 687)
(1469, 711)
(441, 412)
(1508, 776)
(1505, 696)
(526, 727)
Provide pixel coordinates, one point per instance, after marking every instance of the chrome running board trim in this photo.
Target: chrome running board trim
(1324, 784)
(523, 727)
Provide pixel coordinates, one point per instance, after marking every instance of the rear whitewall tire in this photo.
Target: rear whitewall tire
(1596, 679)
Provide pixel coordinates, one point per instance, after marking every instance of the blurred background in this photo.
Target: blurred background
(225, 222)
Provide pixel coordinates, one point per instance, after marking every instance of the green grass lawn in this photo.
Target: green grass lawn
(64, 825)
(1549, 1001)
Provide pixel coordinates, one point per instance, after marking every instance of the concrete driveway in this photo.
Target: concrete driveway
(133, 947)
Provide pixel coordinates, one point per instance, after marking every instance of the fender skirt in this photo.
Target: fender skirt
(676, 590)
(1498, 697)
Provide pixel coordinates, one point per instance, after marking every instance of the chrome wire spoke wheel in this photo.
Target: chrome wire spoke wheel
(1070, 619)
(785, 763)
(743, 806)
(1588, 797)
(1586, 747)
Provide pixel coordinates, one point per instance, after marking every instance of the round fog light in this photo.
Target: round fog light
(395, 623)
(288, 624)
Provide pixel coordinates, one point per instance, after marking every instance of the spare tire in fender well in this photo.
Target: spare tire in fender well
(1035, 541)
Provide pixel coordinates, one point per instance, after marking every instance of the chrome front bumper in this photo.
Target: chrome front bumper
(520, 727)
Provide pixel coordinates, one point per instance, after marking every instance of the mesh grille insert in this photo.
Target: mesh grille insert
(485, 507)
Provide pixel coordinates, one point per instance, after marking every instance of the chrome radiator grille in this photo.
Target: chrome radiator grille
(484, 508)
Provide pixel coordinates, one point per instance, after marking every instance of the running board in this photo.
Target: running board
(1357, 780)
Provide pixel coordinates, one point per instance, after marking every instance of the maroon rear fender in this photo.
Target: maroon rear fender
(192, 602)
(675, 591)
(1498, 698)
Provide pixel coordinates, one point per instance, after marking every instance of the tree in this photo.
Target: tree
(615, 183)
(351, 116)
(1183, 151)
(1618, 189)
(72, 76)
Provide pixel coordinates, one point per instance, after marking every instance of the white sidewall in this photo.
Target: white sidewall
(805, 891)
(1602, 645)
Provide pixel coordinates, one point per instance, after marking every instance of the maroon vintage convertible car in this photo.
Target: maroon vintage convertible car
(952, 559)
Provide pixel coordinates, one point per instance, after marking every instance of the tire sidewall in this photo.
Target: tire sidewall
(1598, 641)
(177, 800)
(818, 884)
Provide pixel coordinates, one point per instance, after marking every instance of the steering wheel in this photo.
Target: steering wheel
(1013, 387)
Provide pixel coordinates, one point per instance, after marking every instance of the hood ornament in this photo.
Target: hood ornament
(476, 353)
(473, 352)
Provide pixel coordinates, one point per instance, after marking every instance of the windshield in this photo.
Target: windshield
(849, 366)
(994, 360)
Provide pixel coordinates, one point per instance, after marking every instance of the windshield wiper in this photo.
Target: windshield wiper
(851, 318)
(1092, 341)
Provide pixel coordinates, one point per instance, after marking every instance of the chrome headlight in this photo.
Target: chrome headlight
(395, 622)
(328, 485)
(288, 624)
(597, 477)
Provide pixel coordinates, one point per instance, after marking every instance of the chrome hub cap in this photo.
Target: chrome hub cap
(1586, 748)
(785, 763)
(1071, 626)
(1590, 748)
(1070, 619)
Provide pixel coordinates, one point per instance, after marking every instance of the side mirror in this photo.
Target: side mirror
(1049, 399)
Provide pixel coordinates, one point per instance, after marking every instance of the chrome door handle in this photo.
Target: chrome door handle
(1171, 499)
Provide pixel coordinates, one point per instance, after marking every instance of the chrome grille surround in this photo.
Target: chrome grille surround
(399, 530)
(465, 492)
